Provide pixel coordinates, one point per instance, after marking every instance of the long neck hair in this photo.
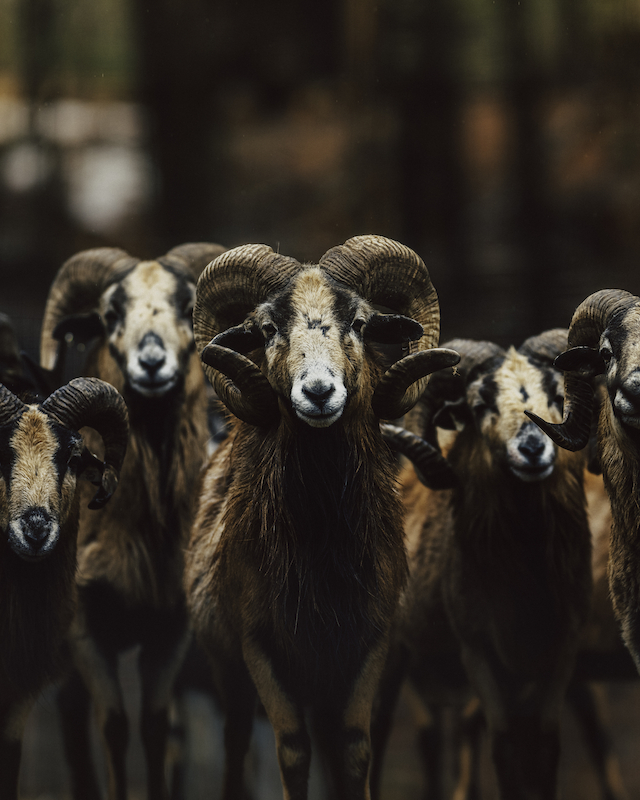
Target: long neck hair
(37, 602)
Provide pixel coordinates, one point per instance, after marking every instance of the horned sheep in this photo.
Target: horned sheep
(604, 340)
(130, 554)
(500, 573)
(296, 560)
(41, 458)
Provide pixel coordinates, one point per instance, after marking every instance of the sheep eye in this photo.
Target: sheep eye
(606, 353)
(269, 330)
(358, 324)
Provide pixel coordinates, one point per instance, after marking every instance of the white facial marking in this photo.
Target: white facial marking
(316, 357)
(530, 453)
(35, 500)
(155, 337)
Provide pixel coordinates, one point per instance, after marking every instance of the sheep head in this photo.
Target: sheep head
(308, 329)
(603, 340)
(41, 457)
(489, 391)
(140, 309)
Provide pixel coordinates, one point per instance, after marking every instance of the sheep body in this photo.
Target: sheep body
(296, 560)
(41, 456)
(130, 555)
(500, 581)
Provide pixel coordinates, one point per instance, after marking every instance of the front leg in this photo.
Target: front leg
(523, 720)
(160, 660)
(343, 725)
(293, 745)
(99, 670)
(13, 716)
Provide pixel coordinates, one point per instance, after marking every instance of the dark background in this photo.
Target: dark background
(498, 138)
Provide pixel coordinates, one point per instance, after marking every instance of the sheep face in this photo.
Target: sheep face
(313, 345)
(39, 460)
(147, 317)
(620, 352)
(498, 400)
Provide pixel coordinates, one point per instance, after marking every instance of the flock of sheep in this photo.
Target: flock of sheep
(380, 510)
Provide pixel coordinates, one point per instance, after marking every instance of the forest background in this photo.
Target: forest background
(500, 139)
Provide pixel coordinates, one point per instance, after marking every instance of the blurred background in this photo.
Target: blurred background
(500, 139)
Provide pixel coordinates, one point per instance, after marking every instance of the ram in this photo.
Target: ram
(130, 554)
(500, 572)
(604, 340)
(41, 458)
(296, 559)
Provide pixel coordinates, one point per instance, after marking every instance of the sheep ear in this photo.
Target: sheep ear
(453, 416)
(392, 329)
(83, 327)
(240, 339)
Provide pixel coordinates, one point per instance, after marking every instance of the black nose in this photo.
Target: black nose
(531, 447)
(36, 526)
(152, 355)
(318, 392)
(151, 363)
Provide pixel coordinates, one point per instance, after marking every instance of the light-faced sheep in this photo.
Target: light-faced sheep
(41, 458)
(500, 574)
(130, 554)
(604, 340)
(296, 560)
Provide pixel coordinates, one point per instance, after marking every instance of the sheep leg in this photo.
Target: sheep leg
(74, 707)
(238, 699)
(343, 730)
(589, 704)
(13, 716)
(159, 662)
(384, 708)
(523, 723)
(99, 670)
(293, 745)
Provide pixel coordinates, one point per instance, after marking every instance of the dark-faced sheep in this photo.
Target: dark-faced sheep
(500, 573)
(41, 458)
(296, 559)
(130, 554)
(604, 340)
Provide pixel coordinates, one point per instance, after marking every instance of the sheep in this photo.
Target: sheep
(296, 559)
(603, 340)
(500, 574)
(41, 458)
(130, 554)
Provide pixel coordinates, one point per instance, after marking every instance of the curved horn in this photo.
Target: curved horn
(77, 288)
(546, 346)
(92, 402)
(449, 385)
(431, 467)
(10, 406)
(388, 273)
(192, 257)
(230, 288)
(588, 323)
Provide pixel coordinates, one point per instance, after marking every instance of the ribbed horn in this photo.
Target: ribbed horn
(449, 385)
(390, 274)
(431, 467)
(228, 289)
(588, 323)
(92, 402)
(546, 346)
(192, 257)
(10, 406)
(76, 289)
